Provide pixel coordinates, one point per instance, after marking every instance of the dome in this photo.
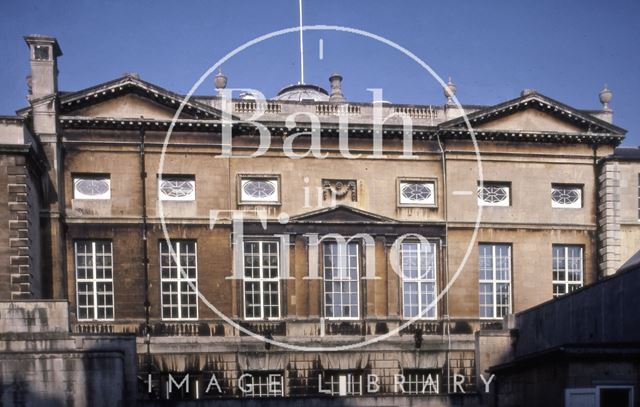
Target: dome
(303, 92)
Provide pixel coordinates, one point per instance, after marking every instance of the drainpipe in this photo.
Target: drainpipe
(596, 201)
(145, 249)
(445, 247)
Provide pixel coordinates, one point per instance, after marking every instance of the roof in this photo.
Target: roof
(561, 354)
(536, 100)
(11, 119)
(631, 264)
(131, 83)
(203, 113)
(623, 154)
(302, 93)
(627, 152)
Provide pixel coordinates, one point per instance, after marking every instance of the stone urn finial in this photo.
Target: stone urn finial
(220, 81)
(336, 89)
(449, 91)
(605, 97)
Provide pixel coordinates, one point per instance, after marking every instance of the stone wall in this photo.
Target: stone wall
(33, 317)
(21, 165)
(629, 208)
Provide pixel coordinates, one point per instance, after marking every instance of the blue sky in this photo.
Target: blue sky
(493, 49)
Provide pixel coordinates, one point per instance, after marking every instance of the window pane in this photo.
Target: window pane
(341, 275)
(264, 384)
(94, 284)
(486, 262)
(418, 271)
(567, 269)
(261, 274)
(343, 383)
(178, 272)
(495, 280)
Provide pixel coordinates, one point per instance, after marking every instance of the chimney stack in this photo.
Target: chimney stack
(336, 89)
(43, 55)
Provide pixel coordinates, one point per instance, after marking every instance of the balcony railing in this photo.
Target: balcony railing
(335, 109)
(251, 107)
(285, 327)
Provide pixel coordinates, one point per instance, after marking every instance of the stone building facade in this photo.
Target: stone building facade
(110, 187)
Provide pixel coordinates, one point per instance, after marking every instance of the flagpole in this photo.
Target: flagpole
(301, 44)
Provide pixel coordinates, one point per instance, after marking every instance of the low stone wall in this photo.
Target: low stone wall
(42, 364)
(33, 317)
(62, 378)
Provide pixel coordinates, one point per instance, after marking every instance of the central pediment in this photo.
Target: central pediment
(340, 214)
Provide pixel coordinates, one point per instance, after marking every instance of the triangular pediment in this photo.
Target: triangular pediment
(340, 214)
(128, 106)
(130, 97)
(533, 112)
(530, 120)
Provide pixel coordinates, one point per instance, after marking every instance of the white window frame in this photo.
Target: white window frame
(274, 383)
(261, 280)
(246, 199)
(179, 279)
(494, 281)
(181, 178)
(420, 281)
(570, 393)
(332, 280)
(574, 205)
(504, 203)
(342, 383)
(565, 268)
(91, 177)
(428, 183)
(595, 393)
(415, 380)
(94, 281)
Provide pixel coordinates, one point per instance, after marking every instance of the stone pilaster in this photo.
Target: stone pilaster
(609, 219)
(20, 259)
